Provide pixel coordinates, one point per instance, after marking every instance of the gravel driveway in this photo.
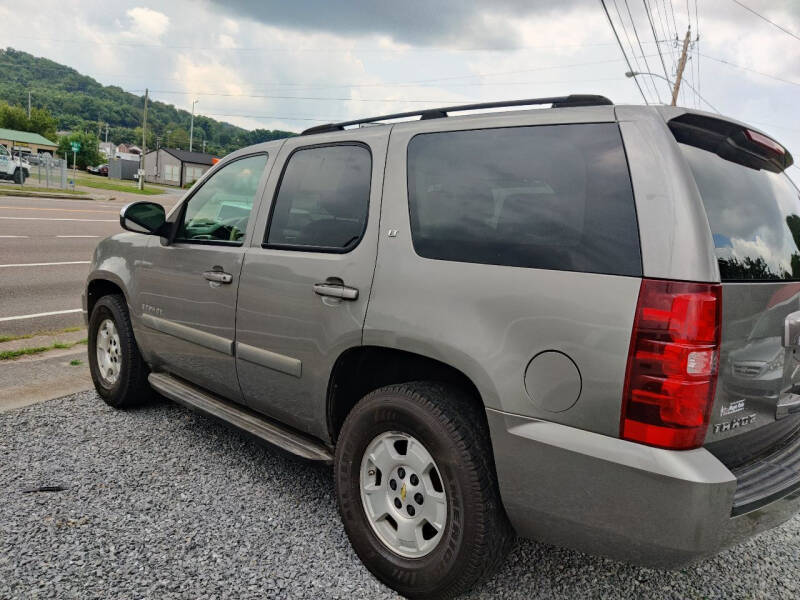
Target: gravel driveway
(162, 503)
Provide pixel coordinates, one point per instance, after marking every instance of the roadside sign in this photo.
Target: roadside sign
(140, 172)
(76, 146)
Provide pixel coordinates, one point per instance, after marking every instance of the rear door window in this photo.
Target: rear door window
(548, 197)
(754, 216)
(323, 199)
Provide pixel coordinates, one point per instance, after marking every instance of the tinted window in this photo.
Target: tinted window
(220, 209)
(323, 199)
(754, 217)
(549, 197)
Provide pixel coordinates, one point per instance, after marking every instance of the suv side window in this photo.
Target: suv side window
(548, 197)
(219, 211)
(323, 199)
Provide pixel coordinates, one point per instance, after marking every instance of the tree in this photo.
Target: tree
(78, 103)
(178, 138)
(13, 117)
(89, 153)
(43, 123)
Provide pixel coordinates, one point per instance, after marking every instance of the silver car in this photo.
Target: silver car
(579, 324)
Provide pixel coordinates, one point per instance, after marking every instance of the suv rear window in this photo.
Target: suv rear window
(549, 197)
(754, 216)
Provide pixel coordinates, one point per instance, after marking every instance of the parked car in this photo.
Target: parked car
(99, 170)
(492, 324)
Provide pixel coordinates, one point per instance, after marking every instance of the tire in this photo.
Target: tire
(129, 386)
(476, 534)
(19, 176)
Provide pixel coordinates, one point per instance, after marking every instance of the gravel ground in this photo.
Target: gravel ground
(162, 503)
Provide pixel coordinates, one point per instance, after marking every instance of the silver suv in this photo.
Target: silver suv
(579, 324)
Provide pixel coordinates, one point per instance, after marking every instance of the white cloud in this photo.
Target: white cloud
(146, 23)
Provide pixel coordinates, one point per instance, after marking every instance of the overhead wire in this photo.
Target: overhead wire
(665, 35)
(655, 37)
(641, 48)
(638, 68)
(773, 23)
(625, 56)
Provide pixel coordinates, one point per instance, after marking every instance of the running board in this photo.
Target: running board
(240, 417)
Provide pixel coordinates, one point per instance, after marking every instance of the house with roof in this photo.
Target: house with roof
(169, 166)
(26, 142)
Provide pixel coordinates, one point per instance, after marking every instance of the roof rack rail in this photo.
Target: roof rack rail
(438, 113)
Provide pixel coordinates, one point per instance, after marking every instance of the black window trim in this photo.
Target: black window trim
(211, 173)
(532, 125)
(321, 249)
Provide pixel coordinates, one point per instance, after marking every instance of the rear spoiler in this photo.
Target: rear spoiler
(732, 141)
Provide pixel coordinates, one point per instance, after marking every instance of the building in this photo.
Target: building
(128, 149)
(123, 168)
(108, 149)
(176, 167)
(26, 142)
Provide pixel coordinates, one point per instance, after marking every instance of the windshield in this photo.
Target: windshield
(754, 217)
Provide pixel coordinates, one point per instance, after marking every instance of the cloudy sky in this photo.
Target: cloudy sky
(291, 65)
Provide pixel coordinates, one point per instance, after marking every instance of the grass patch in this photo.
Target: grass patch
(27, 336)
(75, 363)
(118, 185)
(12, 354)
(33, 188)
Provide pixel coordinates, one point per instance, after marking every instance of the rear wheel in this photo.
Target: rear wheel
(417, 489)
(19, 176)
(118, 370)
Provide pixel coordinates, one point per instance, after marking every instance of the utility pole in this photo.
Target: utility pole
(106, 133)
(29, 104)
(191, 127)
(681, 66)
(144, 141)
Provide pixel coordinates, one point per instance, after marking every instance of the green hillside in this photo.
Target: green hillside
(79, 103)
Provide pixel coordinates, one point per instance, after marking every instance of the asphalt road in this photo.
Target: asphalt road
(45, 248)
(159, 502)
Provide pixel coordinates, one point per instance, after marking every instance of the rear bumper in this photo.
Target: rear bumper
(648, 506)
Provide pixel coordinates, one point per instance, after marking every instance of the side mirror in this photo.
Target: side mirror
(143, 217)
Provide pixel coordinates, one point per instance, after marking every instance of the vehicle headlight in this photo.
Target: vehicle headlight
(776, 363)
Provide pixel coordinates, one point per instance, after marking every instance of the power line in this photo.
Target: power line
(655, 37)
(743, 68)
(697, 42)
(630, 43)
(285, 49)
(619, 43)
(674, 24)
(773, 23)
(646, 63)
(664, 20)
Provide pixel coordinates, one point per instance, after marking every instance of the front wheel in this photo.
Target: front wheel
(118, 370)
(19, 176)
(417, 490)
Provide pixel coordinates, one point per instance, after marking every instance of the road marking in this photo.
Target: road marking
(13, 236)
(67, 236)
(50, 264)
(44, 314)
(60, 219)
(59, 209)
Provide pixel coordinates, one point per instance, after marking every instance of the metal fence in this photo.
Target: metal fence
(50, 173)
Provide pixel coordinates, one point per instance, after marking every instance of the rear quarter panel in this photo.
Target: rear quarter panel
(489, 321)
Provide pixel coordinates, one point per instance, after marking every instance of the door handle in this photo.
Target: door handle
(218, 276)
(336, 290)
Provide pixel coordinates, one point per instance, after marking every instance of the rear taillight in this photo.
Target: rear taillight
(764, 142)
(672, 364)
